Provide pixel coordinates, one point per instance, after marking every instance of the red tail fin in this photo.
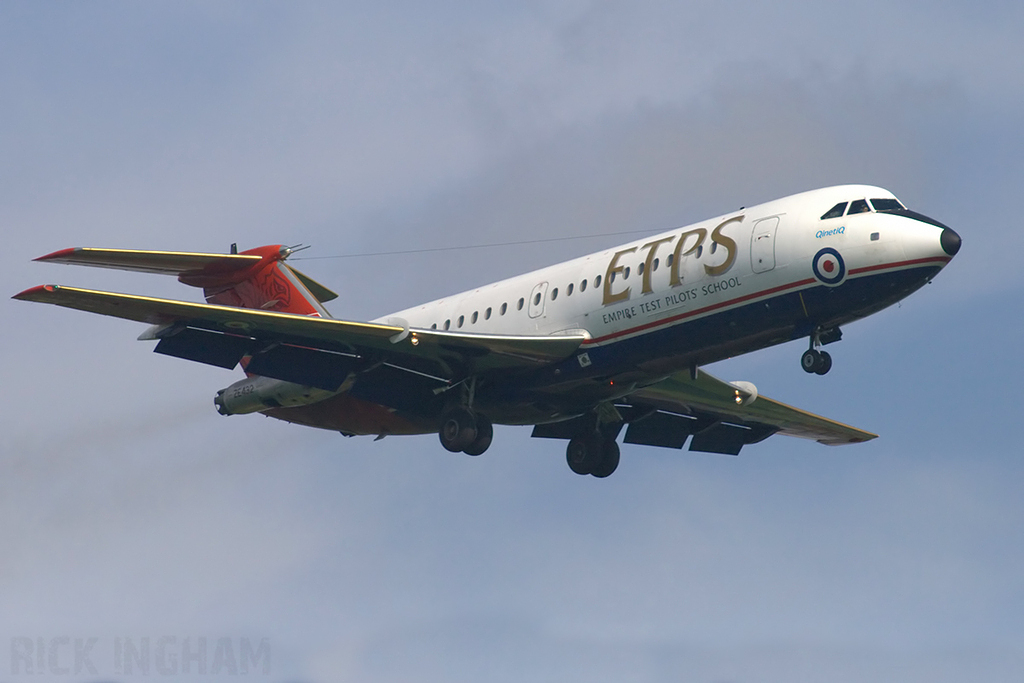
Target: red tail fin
(268, 284)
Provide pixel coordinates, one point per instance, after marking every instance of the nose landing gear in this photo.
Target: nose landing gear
(819, 362)
(816, 362)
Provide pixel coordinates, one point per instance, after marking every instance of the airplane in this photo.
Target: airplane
(580, 350)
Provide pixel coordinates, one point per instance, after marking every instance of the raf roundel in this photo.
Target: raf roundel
(828, 267)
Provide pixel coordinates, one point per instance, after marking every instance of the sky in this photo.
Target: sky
(134, 514)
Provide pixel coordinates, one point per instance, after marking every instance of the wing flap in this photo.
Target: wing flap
(665, 430)
(709, 395)
(463, 353)
(203, 346)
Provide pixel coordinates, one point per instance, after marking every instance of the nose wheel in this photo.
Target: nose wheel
(816, 362)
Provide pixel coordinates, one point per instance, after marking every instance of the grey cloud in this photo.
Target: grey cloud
(132, 508)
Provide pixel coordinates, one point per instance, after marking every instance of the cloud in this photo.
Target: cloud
(133, 509)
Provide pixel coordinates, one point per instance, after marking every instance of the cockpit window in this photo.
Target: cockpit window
(858, 206)
(887, 205)
(836, 211)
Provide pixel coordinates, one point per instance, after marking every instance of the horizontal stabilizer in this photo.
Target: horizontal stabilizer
(160, 262)
(216, 273)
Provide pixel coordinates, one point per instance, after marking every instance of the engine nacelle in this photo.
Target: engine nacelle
(254, 394)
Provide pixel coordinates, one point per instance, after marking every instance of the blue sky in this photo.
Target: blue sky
(133, 510)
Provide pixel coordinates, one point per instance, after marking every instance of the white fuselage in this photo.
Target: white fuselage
(691, 272)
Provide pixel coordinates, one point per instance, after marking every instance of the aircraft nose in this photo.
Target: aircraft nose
(950, 241)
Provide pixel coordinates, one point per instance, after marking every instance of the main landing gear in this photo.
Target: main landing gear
(596, 455)
(463, 430)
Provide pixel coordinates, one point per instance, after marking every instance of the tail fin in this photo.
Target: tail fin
(269, 285)
(257, 278)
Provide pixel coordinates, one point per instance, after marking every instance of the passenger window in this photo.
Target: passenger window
(487, 313)
(835, 212)
(554, 293)
(671, 257)
(536, 299)
(504, 307)
(473, 320)
(568, 290)
(434, 326)
(858, 206)
(462, 319)
(597, 281)
(625, 273)
(447, 323)
(640, 269)
(700, 250)
(654, 266)
(519, 307)
(583, 286)
(887, 205)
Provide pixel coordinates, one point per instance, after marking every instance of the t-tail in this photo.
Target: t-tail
(258, 278)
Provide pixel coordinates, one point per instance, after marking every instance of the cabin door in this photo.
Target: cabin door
(537, 298)
(762, 244)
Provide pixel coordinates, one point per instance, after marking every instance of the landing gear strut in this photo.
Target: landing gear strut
(813, 360)
(595, 455)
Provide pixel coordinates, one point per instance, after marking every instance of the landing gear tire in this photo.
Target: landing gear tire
(458, 430)
(484, 434)
(583, 454)
(816, 362)
(825, 363)
(609, 459)
(592, 455)
(810, 361)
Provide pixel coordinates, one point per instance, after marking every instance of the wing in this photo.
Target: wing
(722, 417)
(307, 349)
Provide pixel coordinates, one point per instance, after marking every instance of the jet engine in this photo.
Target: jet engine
(257, 393)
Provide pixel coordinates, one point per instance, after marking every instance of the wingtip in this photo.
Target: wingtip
(35, 293)
(57, 255)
